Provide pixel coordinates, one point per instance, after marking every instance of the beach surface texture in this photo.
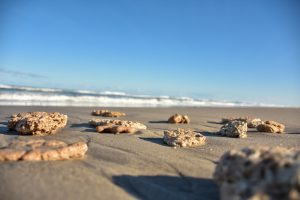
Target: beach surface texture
(135, 166)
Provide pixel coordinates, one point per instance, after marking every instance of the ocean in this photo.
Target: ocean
(32, 96)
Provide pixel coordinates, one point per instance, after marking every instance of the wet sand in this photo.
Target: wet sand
(135, 166)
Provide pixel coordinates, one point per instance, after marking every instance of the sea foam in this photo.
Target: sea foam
(30, 96)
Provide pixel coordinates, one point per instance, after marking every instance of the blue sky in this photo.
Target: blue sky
(234, 50)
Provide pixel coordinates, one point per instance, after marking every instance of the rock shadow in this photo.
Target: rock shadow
(159, 122)
(209, 134)
(5, 131)
(81, 125)
(154, 140)
(168, 187)
(87, 126)
(214, 122)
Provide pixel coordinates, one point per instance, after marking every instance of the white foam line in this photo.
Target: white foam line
(32, 99)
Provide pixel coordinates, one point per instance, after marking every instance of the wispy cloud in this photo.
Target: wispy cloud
(19, 73)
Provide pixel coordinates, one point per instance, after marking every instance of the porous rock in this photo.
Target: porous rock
(107, 113)
(259, 173)
(230, 119)
(235, 129)
(183, 138)
(253, 123)
(116, 126)
(37, 150)
(271, 127)
(37, 123)
(111, 128)
(179, 119)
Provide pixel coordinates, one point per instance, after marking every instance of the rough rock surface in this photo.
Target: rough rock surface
(111, 128)
(36, 150)
(116, 126)
(183, 138)
(37, 123)
(271, 127)
(259, 174)
(253, 123)
(179, 119)
(230, 119)
(236, 129)
(107, 113)
(101, 122)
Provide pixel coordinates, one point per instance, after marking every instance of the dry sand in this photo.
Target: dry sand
(135, 166)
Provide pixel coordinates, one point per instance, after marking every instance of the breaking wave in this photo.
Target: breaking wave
(30, 96)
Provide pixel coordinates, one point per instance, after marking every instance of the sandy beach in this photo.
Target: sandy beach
(138, 166)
